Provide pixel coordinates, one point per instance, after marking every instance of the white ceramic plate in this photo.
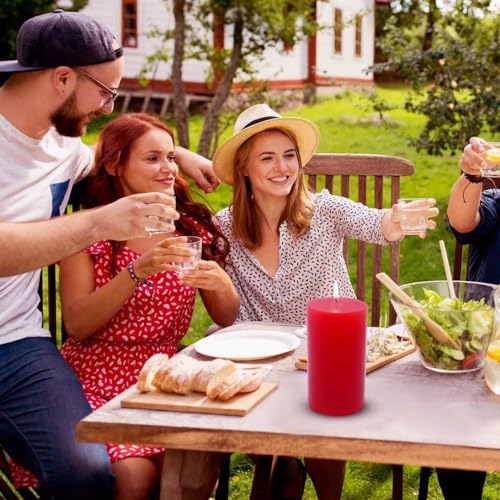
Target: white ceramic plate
(241, 345)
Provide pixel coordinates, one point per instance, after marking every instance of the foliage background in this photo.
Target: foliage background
(14, 12)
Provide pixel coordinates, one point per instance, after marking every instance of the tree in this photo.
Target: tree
(452, 60)
(14, 12)
(255, 25)
(181, 113)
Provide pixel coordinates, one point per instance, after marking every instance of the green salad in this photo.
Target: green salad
(470, 323)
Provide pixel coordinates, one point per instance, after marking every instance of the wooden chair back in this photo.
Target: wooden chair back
(373, 180)
(48, 291)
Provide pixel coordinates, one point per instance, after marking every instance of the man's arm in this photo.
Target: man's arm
(198, 168)
(32, 245)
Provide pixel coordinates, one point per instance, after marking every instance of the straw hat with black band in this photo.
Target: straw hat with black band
(256, 119)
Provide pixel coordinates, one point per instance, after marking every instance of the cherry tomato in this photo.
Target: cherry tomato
(470, 361)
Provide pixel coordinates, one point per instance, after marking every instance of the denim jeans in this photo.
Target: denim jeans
(41, 400)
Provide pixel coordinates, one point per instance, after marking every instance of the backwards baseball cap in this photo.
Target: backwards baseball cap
(60, 38)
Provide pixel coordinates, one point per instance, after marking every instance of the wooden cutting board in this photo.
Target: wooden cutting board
(196, 402)
(301, 362)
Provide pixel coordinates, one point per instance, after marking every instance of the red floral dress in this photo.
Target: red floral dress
(153, 320)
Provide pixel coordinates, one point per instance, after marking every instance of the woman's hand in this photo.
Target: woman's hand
(393, 228)
(219, 295)
(208, 275)
(162, 257)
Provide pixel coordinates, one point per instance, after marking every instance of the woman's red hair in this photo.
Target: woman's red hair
(103, 186)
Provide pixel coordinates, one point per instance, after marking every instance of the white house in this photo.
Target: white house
(336, 55)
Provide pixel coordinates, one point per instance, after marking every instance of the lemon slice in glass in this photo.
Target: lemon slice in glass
(493, 154)
(494, 351)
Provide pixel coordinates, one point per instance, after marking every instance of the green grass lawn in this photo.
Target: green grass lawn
(347, 125)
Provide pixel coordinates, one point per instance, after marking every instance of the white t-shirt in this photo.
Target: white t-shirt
(36, 177)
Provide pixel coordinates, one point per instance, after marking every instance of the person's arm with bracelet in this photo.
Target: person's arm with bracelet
(463, 205)
(86, 309)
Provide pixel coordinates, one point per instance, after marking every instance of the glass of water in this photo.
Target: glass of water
(492, 158)
(412, 215)
(153, 230)
(194, 243)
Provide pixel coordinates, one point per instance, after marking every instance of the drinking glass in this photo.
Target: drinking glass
(492, 158)
(153, 230)
(194, 243)
(413, 219)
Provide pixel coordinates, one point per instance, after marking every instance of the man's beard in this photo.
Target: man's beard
(66, 120)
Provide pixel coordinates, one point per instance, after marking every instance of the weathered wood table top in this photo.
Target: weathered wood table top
(411, 416)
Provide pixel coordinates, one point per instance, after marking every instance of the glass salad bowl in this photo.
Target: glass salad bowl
(468, 319)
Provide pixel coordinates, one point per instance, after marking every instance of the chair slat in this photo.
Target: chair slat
(329, 183)
(312, 182)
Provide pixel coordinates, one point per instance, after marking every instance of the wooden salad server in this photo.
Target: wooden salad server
(437, 331)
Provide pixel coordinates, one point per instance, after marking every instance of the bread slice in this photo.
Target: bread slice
(242, 380)
(255, 379)
(159, 376)
(178, 374)
(211, 371)
(218, 384)
(148, 371)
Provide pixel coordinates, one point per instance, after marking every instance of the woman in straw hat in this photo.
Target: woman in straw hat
(286, 242)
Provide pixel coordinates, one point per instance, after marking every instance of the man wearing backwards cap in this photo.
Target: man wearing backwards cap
(67, 70)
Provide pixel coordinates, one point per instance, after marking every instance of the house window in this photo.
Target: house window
(358, 35)
(129, 23)
(337, 31)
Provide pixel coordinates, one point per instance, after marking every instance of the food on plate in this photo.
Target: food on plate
(218, 379)
(383, 342)
(470, 323)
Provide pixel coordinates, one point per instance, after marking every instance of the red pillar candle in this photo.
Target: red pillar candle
(336, 358)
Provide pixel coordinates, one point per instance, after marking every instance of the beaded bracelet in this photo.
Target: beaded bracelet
(475, 179)
(133, 276)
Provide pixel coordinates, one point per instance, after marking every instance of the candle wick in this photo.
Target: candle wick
(335, 290)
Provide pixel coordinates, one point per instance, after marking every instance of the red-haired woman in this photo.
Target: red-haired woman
(122, 302)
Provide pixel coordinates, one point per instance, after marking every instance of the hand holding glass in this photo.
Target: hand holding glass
(193, 243)
(492, 159)
(413, 215)
(153, 230)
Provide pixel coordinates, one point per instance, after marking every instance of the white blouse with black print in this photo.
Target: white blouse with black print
(308, 266)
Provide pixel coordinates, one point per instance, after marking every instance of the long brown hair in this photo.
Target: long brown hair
(112, 153)
(246, 217)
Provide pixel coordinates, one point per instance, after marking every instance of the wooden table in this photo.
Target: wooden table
(411, 416)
